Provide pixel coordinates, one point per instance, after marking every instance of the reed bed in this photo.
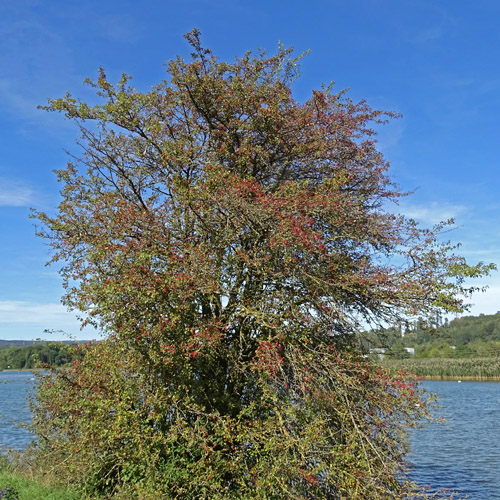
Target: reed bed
(448, 368)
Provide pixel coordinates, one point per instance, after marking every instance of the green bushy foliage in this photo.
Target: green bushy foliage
(229, 240)
(320, 423)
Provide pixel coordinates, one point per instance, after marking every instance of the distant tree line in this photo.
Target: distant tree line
(465, 337)
(34, 356)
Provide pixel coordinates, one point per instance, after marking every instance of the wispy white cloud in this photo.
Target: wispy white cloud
(36, 60)
(14, 99)
(12, 311)
(390, 135)
(29, 320)
(428, 35)
(487, 302)
(433, 212)
(39, 58)
(15, 193)
(440, 25)
(119, 28)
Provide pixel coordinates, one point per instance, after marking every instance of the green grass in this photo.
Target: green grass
(32, 490)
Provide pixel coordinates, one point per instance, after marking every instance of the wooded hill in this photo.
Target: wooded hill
(468, 336)
(25, 343)
(33, 355)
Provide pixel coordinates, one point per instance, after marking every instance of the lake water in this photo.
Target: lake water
(463, 454)
(14, 389)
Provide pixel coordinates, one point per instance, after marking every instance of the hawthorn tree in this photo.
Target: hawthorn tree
(230, 241)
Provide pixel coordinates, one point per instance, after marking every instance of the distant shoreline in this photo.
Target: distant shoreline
(456, 378)
(421, 377)
(21, 369)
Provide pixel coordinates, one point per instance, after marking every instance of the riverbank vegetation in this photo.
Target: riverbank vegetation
(447, 368)
(466, 348)
(21, 485)
(16, 487)
(229, 241)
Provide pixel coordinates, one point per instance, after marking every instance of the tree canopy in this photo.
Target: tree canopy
(230, 240)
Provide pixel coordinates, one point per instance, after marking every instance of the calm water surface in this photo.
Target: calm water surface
(14, 389)
(463, 454)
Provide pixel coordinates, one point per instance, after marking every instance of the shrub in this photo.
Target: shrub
(229, 240)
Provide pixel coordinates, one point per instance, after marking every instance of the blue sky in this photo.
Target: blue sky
(434, 61)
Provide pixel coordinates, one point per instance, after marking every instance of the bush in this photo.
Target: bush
(229, 240)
